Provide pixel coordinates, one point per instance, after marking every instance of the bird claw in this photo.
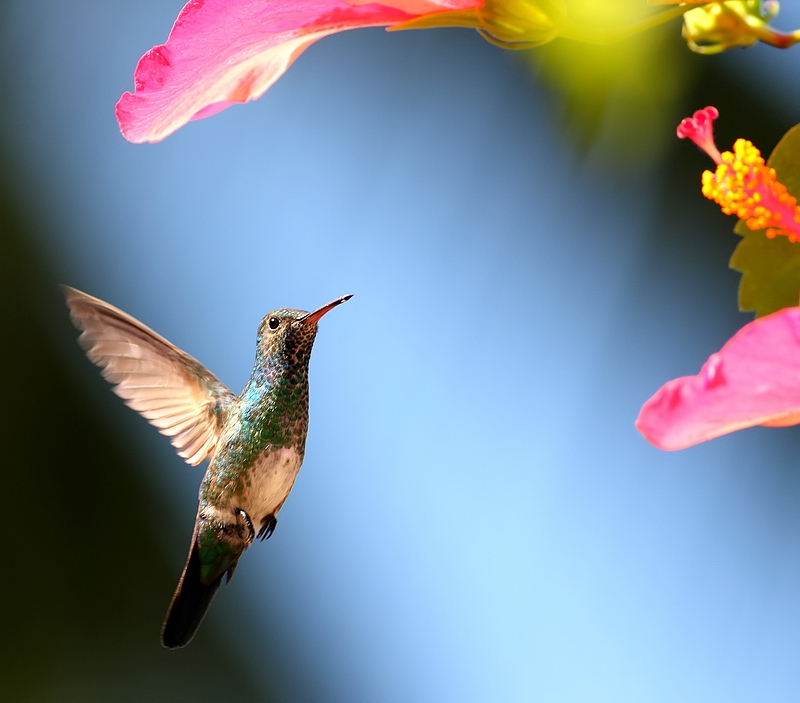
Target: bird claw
(268, 527)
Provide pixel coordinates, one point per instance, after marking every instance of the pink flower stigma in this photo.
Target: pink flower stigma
(700, 129)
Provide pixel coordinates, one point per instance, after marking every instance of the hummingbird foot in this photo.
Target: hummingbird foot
(268, 527)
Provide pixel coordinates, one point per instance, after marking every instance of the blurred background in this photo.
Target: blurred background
(477, 518)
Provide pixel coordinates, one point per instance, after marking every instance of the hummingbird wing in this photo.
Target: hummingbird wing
(171, 389)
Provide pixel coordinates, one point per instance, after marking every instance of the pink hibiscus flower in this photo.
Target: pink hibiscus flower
(222, 52)
(755, 378)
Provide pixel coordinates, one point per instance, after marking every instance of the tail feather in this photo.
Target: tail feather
(189, 604)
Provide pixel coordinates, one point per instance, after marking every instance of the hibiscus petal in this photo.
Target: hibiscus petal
(753, 380)
(221, 52)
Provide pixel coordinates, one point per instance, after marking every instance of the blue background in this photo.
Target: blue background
(477, 518)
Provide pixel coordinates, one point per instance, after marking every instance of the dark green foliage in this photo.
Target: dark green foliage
(85, 582)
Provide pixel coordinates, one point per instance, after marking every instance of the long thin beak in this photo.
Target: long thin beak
(314, 317)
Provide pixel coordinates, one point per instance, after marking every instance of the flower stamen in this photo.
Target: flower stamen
(746, 187)
(743, 185)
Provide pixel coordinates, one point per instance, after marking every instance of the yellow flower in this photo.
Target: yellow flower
(717, 26)
(524, 24)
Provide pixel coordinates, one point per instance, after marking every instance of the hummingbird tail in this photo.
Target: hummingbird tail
(189, 604)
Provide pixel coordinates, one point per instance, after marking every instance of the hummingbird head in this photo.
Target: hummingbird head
(287, 335)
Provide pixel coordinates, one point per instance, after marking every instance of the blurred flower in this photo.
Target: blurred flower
(509, 23)
(614, 101)
(222, 52)
(753, 380)
(718, 26)
(743, 184)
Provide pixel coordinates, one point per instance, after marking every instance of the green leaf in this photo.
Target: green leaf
(771, 267)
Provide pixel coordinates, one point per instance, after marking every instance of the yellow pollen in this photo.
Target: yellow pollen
(745, 186)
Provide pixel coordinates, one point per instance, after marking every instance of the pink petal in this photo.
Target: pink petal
(753, 380)
(221, 52)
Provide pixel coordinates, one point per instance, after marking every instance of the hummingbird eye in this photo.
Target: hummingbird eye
(274, 323)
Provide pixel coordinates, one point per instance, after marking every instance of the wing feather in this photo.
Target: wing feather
(169, 388)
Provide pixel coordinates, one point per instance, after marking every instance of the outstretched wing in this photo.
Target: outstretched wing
(172, 390)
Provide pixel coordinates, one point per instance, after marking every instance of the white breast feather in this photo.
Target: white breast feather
(271, 478)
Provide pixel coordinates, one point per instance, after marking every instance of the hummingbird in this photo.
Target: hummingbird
(255, 441)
